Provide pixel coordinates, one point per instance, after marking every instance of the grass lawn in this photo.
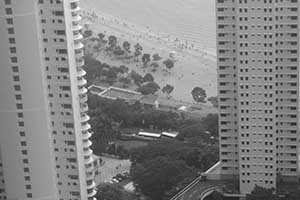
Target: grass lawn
(131, 144)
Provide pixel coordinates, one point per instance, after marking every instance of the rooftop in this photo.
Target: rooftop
(119, 93)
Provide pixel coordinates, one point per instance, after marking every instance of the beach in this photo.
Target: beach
(195, 65)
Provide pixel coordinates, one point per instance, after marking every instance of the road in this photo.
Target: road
(195, 192)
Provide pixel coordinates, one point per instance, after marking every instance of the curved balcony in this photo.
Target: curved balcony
(87, 143)
(73, 1)
(86, 135)
(89, 168)
(80, 62)
(83, 107)
(76, 9)
(83, 98)
(86, 127)
(87, 152)
(80, 72)
(78, 45)
(92, 185)
(79, 54)
(88, 161)
(82, 90)
(77, 36)
(76, 27)
(91, 192)
(76, 18)
(81, 81)
(84, 117)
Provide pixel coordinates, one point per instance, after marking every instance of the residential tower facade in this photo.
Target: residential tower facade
(258, 87)
(44, 136)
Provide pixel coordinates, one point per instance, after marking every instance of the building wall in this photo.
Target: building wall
(44, 136)
(258, 50)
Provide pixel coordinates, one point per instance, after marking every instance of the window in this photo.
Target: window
(13, 50)
(22, 134)
(12, 41)
(14, 59)
(25, 161)
(9, 20)
(20, 115)
(19, 106)
(24, 152)
(26, 169)
(8, 11)
(15, 69)
(16, 78)
(27, 178)
(17, 87)
(28, 187)
(18, 97)
(7, 2)
(10, 31)
(29, 195)
(21, 124)
(23, 143)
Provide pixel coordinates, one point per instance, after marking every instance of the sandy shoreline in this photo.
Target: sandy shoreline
(195, 67)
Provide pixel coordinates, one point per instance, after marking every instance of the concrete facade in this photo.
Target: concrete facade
(44, 136)
(258, 87)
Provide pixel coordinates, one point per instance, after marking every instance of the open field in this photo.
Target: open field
(131, 144)
(195, 65)
(111, 168)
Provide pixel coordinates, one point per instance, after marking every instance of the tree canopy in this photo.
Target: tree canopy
(199, 94)
(148, 88)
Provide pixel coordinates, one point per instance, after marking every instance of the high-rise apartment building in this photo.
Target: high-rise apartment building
(258, 79)
(44, 132)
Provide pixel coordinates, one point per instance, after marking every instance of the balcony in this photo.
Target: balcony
(76, 18)
(79, 54)
(86, 135)
(88, 152)
(77, 36)
(88, 161)
(80, 62)
(80, 72)
(81, 81)
(83, 107)
(82, 90)
(83, 98)
(92, 185)
(76, 27)
(91, 192)
(78, 45)
(86, 127)
(84, 117)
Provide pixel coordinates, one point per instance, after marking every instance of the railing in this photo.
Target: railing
(187, 188)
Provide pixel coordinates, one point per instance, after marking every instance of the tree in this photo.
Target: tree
(137, 78)
(168, 89)
(260, 193)
(146, 58)
(123, 69)
(148, 78)
(109, 192)
(118, 51)
(156, 176)
(126, 46)
(101, 36)
(169, 63)
(199, 94)
(138, 50)
(156, 57)
(87, 33)
(112, 41)
(149, 88)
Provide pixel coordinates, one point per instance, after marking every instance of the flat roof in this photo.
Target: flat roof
(96, 89)
(119, 93)
(147, 134)
(173, 135)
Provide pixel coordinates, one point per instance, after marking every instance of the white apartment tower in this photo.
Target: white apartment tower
(44, 134)
(258, 87)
